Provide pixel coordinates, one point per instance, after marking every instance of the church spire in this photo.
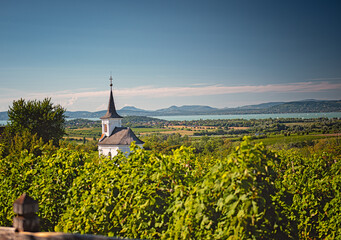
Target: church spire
(111, 112)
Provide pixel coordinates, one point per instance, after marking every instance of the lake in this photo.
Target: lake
(252, 116)
(238, 116)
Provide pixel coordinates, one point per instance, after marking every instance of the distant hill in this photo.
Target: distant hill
(308, 106)
(133, 111)
(304, 106)
(84, 114)
(132, 108)
(261, 106)
(188, 109)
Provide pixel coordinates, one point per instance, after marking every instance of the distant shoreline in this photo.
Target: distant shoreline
(297, 107)
(236, 116)
(230, 116)
(250, 116)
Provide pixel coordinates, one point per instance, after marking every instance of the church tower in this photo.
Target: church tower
(111, 119)
(115, 137)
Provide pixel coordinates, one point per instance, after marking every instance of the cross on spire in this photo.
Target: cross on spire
(111, 113)
(110, 81)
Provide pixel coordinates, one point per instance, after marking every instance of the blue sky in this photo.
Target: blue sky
(163, 53)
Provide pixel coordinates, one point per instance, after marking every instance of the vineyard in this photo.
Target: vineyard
(234, 191)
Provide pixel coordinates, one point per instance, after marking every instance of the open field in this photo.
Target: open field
(192, 127)
(298, 124)
(273, 140)
(272, 132)
(78, 138)
(149, 130)
(282, 140)
(87, 132)
(181, 132)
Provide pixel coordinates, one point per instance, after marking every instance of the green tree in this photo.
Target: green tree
(38, 117)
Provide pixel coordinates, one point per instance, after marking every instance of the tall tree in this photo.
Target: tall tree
(42, 118)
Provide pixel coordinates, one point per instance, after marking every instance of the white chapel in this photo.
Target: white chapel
(114, 136)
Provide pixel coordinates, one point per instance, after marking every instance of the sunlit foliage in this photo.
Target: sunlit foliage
(249, 192)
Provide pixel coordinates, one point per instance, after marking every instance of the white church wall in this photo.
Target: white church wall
(108, 150)
(114, 123)
(108, 125)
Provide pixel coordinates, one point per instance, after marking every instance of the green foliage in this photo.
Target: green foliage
(142, 121)
(82, 123)
(87, 132)
(314, 186)
(204, 146)
(134, 194)
(38, 117)
(248, 192)
(46, 178)
(232, 201)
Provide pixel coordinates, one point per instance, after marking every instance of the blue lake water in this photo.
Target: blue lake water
(252, 116)
(239, 116)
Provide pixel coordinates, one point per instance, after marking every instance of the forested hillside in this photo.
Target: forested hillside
(306, 106)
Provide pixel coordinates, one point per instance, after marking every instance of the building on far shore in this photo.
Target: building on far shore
(114, 136)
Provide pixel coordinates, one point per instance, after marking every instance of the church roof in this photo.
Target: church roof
(120, 136)
(111, 112)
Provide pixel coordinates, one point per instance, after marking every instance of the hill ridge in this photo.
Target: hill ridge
(303, 106)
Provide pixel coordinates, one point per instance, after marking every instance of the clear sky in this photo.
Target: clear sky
(163, 53)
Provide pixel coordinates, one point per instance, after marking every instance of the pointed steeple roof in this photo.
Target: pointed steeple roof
(111, 112)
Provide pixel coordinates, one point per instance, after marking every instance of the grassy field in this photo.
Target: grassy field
(280, 140)
(96, 132)
(149, 130)
(84, 132)
(293, 134)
